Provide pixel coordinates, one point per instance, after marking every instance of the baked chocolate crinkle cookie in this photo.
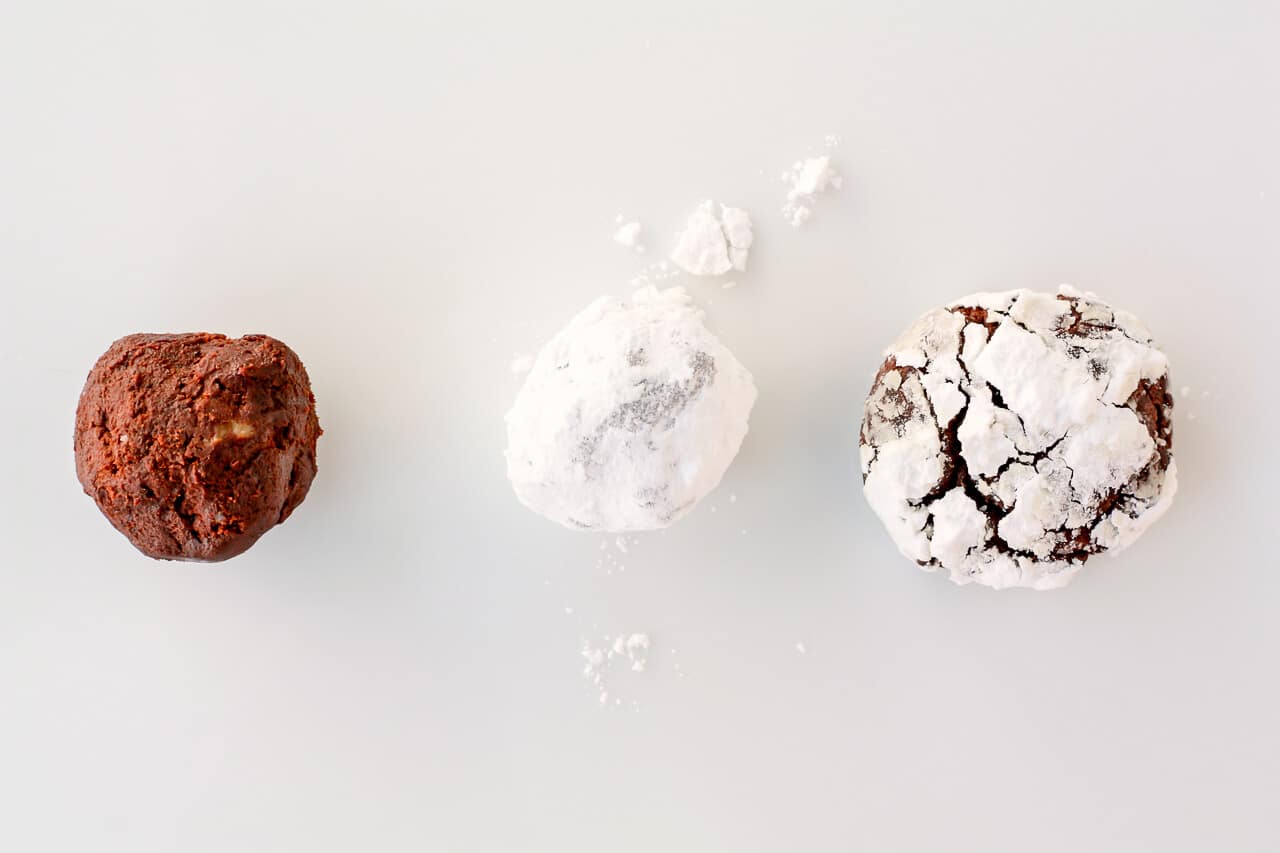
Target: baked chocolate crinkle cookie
(194, 445)
(1008, 437)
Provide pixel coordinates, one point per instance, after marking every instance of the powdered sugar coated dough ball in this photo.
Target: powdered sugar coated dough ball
(629, 416)
(1008, 437)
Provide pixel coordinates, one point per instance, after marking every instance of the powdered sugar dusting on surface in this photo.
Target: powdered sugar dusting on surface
(1009, 436)
(605, 657)
(655, 273)
(1192, 401)
(613, 551)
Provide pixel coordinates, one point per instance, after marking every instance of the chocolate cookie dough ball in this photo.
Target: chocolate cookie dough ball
(195, 445)
(629, 416)
(1008, 437)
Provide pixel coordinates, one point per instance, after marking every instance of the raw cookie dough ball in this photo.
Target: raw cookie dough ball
(1010, 436)
(629, 416)
(195, 445)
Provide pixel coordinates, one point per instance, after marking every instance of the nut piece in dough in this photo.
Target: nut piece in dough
(1008, 437)
(195, 445)
(629, 416)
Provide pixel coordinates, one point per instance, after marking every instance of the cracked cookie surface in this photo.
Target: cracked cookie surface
(1008, 437)
(194, 445)
(629, 416)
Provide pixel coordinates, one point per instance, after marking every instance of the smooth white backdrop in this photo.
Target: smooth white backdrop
(409, 195)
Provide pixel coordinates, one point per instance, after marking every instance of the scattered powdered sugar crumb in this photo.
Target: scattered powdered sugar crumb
(831, 140)
(676, 666)
(609, 561)
(627, 651)
(635, 648)
(521, 364)
(801, 648)
(713, 243)
(729, 285)
(805, 180)
(733, 497)
(628, 234)
(1186, 393)
(655, 272)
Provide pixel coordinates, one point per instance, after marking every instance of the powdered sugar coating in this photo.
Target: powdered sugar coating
(629, 416)
(1010, 436)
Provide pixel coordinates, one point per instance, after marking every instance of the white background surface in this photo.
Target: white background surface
(409, 195)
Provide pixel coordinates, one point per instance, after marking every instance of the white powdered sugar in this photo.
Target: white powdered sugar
(805, 180)
(630, 415)
(654, 273)
(628, 651)
(1010, 436)
(628, 234)
(713, 243)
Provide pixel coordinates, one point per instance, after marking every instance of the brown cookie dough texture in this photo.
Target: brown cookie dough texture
(1008, 437)
(195, 445)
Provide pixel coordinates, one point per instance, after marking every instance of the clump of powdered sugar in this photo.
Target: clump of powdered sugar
(628, 234)
(712, 243)
(805, 180)
(630, 415)
(1010, 436)
(603, 657)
